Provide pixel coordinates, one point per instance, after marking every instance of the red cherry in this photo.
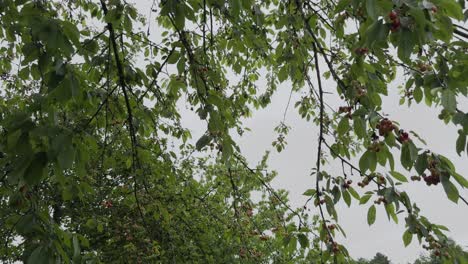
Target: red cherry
(395, 25)
(362, 51)
(249, 212)
(404, 137)
(108, 204)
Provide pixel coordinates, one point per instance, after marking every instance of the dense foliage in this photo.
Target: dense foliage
(97, 167)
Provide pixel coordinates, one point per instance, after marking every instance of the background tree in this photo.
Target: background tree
(461, 255)
(379, 258)
(96, 166)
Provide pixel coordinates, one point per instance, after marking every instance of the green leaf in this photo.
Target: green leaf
(173, 57)
(66, 157)
(354, 193)
(405, 158)
(336, 194)
(421, 163)
(444, 28)
(371, 215)
(343, 126)
(283, 74)
(450, 190)
(417, 94)
(407, 237)
(365, 198)
(461, 142)
(179, 16)
(203, 141)
(390, 159)
(342, 5)
(371, 9)
(40, 255)
(303, 240)
(37, 169)
(446, 162)
(453, 9)
(331, 207)
(398, 176)
(390, 209)
(235, 7)
(368, 161)
(346, 197)
(76, 250)
(406, 45)
(460, 179)
(71, 31)
(73, 83)
(359, 127)
(309, 192)
(448, 100)
(377, 34)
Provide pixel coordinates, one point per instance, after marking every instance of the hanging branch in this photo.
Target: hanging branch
(123, 85)
(320, 139)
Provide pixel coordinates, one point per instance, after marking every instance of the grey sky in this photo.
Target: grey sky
(296, 161)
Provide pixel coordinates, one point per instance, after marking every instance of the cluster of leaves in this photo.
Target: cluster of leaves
(96, 165)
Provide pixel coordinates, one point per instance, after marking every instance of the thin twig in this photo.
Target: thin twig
(320, 139)
(131, 127)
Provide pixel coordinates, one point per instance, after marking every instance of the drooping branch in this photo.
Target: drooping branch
(320, 138)
(123, 85)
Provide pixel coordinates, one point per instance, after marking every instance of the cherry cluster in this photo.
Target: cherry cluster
(376, 146)
(322, 201)
(107, 204)
(381, 200)
(358, 87)
(385, 126)
(364, 182)
(415, 178)
(381, 179)
(345, 109)
(347, 184)
(335, 247)
(362, 51)
(404, 137)
(435, 246)
(330, 227)
(395, 21)
(432, 179)
(423, 67)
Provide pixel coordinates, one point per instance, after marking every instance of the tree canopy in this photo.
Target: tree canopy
(97, 167)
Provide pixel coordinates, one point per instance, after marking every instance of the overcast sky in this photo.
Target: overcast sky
(294, 165)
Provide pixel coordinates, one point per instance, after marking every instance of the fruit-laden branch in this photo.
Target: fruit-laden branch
(131, 128)
(320, 138)
(316, 44)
